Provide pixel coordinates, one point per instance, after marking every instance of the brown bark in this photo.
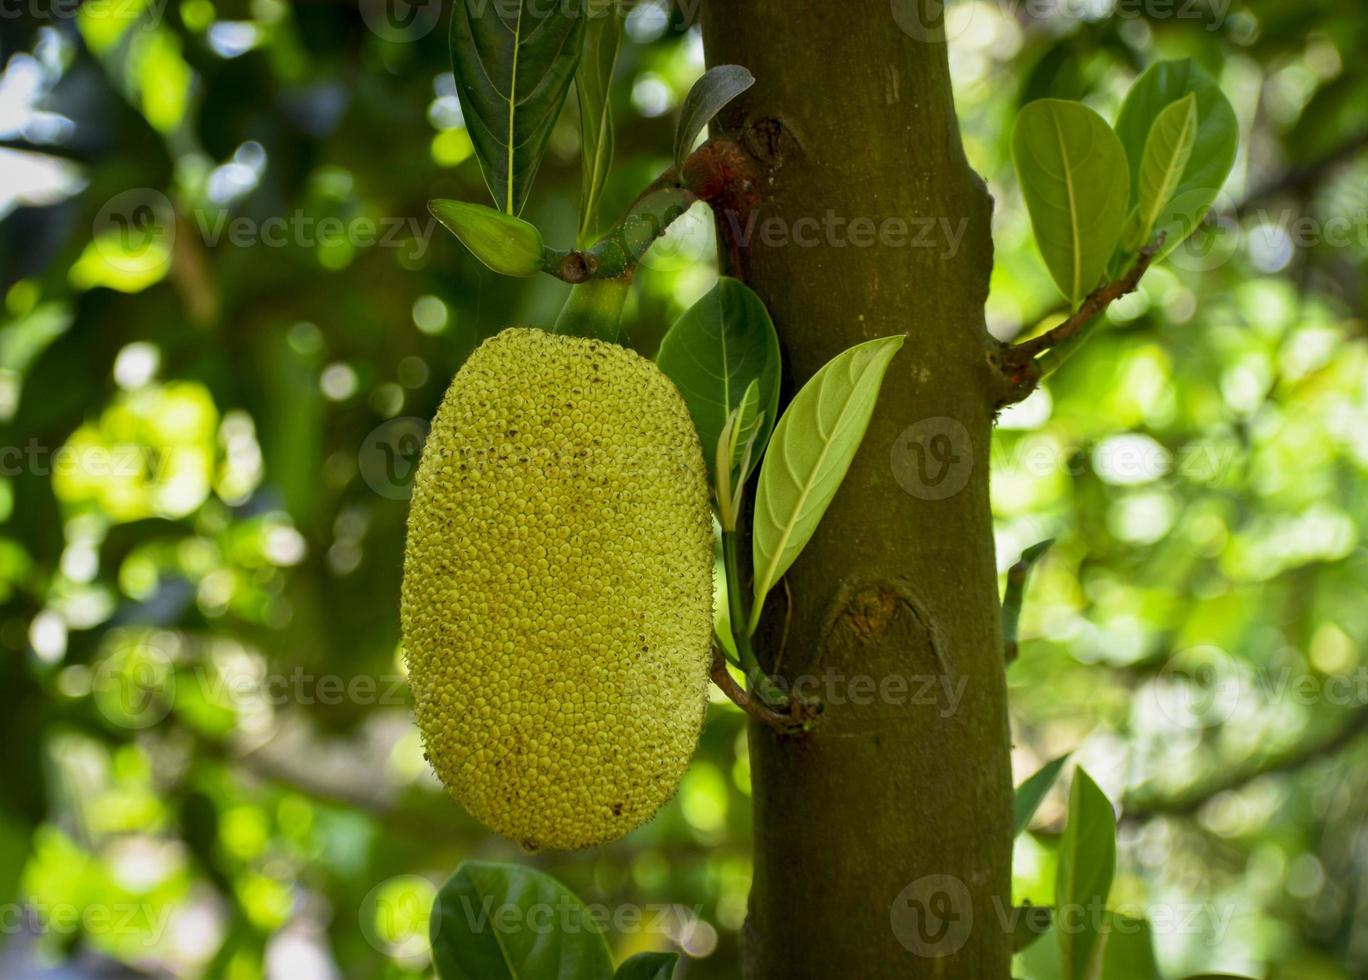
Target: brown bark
(883, 838)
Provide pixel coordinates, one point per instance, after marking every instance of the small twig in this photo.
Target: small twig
(1017, 576)
(719, 173)
(1021, 366)
(1097, 301)
(798, 720)
(788, 621)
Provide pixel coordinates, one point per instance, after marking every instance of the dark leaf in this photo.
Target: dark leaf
(490, 922)
(1032, 792)
(513, 64)
(648, 966)
(717, 87)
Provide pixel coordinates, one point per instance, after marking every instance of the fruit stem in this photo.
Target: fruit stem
(761, 682)
(799, 719)
(594, 309)
(718, 173)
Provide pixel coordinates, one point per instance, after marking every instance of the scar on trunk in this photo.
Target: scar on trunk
(866, 613)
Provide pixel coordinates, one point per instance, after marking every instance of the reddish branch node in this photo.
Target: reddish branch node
(723, 174)
(720, 173)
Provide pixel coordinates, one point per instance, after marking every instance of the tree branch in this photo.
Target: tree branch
(720, 173)
(1306, 175)
(1023, 365)
(1097, 301)
(796, 722)
(1304, 752)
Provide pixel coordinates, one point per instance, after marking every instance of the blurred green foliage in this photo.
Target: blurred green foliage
(227, 312)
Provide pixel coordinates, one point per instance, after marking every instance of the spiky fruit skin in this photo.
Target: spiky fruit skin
(557, 599)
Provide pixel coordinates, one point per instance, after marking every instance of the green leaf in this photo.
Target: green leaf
(513, 64)
(735, 457)
(714, 351)
(1167, 152)
(1213, 147)
(811, 451)
(508, 245)
(717, 87)
(749, 420)
(1015, 595)
(1129, 949)
(1087, 861)
(1038, 960)
(1032, 792)
(602, 39)
(648, 966)
(1072, 171)
(505, 922)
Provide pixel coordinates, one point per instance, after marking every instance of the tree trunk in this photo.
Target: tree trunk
(883, 839)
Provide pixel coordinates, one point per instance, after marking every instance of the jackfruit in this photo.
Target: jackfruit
(558, 596)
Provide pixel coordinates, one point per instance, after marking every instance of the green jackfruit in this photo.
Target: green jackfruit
(557, 599)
